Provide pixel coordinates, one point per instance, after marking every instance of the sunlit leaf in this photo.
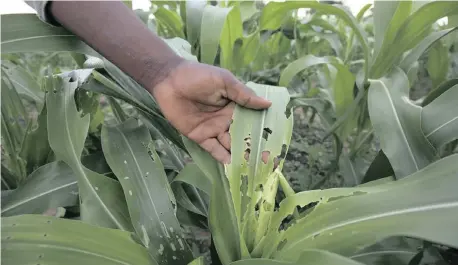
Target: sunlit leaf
(194, 12)
(425, 198)
(388, 17)
(414, 29)
(274, 12)
(213, 20)
(171, 21)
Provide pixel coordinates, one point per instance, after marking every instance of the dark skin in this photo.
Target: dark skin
(197, 99)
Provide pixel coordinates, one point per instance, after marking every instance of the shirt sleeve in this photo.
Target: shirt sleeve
(43, 12)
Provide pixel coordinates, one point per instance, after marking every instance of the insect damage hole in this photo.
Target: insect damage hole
(265, 156)
(279, 158)
(247, 154)
(265, 133)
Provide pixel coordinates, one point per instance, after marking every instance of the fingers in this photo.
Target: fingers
(214, 147)
(242, 95)
(225, 140)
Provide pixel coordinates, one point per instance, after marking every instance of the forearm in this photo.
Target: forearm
(113, 30)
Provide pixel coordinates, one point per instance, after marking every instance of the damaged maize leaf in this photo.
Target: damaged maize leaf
(245, 189)
(409, 206)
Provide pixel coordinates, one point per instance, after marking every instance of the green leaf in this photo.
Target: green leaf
(101, 198)
(213, 20)
(439, 119)
(426, 198)
(438, 63)
(318, 257)
(50, 186)
(36, 239)
(350, 39)
(352, 170)
(436, 92)
(192, 175)
(232, 30)
(274, 12)
(198, 261)
(9, 180)
(388, 17)
(27, 33)
(324, 258)
(247, 9)
(128, 3)
(305, 62)
(130, 92)
(194, 12)
(14, 123)
(35, 147)
(261, 262)
(130, 152)
(424, 45)
(411, 33)
(263, 135)
(222, 219)
(393, 250)
(171, 21)
(397, 123)
(24, 82)
(342, 84)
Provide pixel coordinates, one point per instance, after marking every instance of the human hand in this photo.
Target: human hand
(199, 100)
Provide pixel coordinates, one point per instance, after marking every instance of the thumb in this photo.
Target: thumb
(243, 95)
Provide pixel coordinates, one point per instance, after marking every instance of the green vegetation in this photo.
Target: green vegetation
(361, 141)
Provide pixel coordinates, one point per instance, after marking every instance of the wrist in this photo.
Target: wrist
(156, 69)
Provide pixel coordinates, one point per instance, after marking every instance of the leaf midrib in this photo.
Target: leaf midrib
(35, 37)
(441, 126)
(139, 170)
(37, 196)
(436, 206)
(80, 168)
(404, 137)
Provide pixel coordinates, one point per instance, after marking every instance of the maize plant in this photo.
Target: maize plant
(83, 185)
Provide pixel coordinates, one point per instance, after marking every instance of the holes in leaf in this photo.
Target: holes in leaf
(244, 184)
(259, 188)
(150, 153)
(286, 222)
(256, 207)
(288, 112)
(247, 141)
(281, 244)
(265, 133)
(356, 193)
(282, 156)
(265, 156)
(247, 154)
